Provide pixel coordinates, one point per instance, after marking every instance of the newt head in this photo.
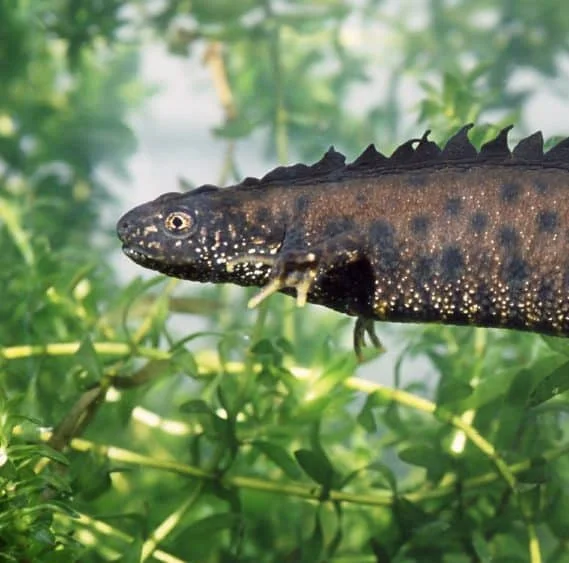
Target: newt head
(195, 235)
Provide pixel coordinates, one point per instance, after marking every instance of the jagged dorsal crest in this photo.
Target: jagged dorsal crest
(330, 162)
(459, 147)
(530, 148)
(422, 153)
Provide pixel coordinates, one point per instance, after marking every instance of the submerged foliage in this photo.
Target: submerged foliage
(258, 437)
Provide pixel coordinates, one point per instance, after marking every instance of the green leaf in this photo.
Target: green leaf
(89, 359)
(530, 500)
(538, 472)
(285, 345)
(264, 346)
(311, 411)
(132, 552)
(386, 473)
(451, 389)
(366, 418)
(16, 452)
(317, 466)
(425, 530)
(280, 456)
(387, 478)
(212, 524)
(519, 390)
(379, 549)
(481, 547)
(557, 344)
(558, 512)
(422, 456)
(196, 406)
(268, 351)
(554, 384)
(513, 408)
(11, 217)
(91, 476)
(335, 374)
(230, 496)
(336, 540)
(410, 515)
(493, 386)
(312, 549)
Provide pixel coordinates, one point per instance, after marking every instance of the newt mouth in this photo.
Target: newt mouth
(136, 256)
(153, 263)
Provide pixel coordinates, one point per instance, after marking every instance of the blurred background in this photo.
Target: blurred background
(146, 419)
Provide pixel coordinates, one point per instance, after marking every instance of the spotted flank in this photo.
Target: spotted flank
(428, 234)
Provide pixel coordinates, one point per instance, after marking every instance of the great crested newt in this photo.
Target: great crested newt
(451, 235)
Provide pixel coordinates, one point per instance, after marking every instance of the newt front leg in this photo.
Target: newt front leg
(295, 269)
(298, 268)
(304, 270)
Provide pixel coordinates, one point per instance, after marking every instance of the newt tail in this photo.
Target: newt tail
(429, 234)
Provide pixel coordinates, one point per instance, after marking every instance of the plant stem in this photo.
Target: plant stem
(70, 348)
(166, 527)
(110, 531)
(299, 489)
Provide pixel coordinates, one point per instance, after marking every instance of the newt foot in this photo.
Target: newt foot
(294, 269)
(362, 327)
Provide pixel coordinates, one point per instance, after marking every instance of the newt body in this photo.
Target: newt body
(427, 235)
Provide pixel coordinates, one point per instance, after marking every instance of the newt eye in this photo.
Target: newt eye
(178, 222)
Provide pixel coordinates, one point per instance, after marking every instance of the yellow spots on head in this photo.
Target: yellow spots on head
(149, 229)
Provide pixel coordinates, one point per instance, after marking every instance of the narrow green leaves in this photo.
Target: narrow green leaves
(317, 466)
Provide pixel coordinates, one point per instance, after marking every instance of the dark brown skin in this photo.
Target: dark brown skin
(452, 236)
